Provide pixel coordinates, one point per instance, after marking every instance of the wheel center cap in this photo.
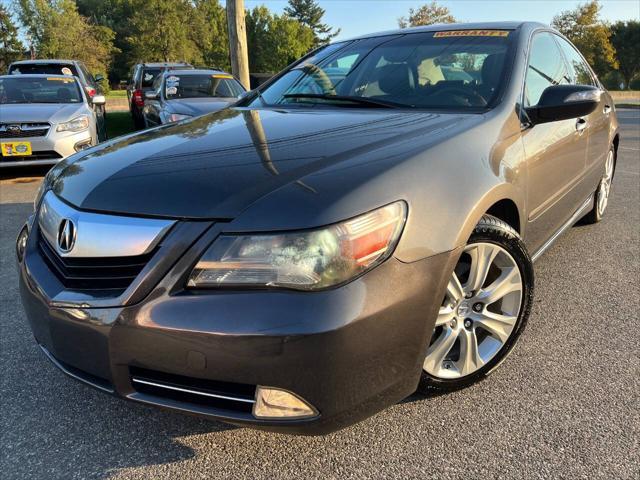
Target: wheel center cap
(463, 309)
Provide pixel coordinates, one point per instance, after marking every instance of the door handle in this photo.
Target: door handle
(581, 124)
(607, 109)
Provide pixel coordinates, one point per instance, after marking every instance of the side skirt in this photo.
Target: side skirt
(584, 208)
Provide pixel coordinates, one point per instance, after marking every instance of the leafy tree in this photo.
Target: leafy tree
(116, 15)
(626, 40)
(160, 31)
(587, 32)
(310, 14)
(275, 41)
(59, 31)
(11, 48)
(427, 14)
(209, 34)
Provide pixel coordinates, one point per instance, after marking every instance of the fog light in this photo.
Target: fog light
(83, 145)
(275, 403)
(21, 243)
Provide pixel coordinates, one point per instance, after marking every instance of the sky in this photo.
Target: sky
(358, 17)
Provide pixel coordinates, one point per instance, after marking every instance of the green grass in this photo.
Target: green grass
(119, 123)
(117, 94)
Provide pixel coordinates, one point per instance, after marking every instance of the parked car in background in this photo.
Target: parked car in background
(142, 77)
(89, 83)
(45, 118)
(180, 94)
(318, 251)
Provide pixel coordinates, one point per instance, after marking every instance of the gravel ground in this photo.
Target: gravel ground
(565, 404)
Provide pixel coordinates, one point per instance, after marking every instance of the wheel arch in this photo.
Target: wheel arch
(504, 201)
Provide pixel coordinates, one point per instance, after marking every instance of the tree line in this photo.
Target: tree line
(112, 35)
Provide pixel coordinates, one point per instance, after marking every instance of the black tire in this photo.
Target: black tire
(493, 230)
(594, 215)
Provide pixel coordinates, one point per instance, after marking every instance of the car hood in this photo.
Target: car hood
(40, 112)
(198, 106)
(217, 165)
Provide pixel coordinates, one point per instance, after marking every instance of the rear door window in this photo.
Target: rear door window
(546, 67)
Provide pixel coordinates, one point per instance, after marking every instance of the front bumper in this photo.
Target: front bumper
(349, 352)
(48, 149)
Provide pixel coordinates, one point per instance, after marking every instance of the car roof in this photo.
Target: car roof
(165, 64)
(197, 71)
(44, 61)
(443, 27)
(40, 75)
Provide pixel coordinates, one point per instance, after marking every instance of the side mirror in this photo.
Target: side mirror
(98, 78)
(150, 95)
(562, 102)
(98, 100)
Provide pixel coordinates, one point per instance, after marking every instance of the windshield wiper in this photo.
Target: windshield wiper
(370, 102)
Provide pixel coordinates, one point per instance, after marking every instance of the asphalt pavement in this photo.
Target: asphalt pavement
(565, 404)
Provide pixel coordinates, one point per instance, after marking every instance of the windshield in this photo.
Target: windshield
(457, 70)
(44, 69)
(39, 90)
(199, 86)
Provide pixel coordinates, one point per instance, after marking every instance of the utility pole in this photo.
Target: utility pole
(238, 41)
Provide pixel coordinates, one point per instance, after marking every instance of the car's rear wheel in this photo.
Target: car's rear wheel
(601, 197)
(485, 308)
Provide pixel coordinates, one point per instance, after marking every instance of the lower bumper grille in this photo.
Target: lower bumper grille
(43, 155)
(228, 396)
(90, 274)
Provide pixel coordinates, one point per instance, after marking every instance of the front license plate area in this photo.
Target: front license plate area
(15, 149)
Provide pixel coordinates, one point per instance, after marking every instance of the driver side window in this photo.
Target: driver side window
(546, 68)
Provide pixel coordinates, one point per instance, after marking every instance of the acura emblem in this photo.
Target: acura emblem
(66, 235)
(14, 128)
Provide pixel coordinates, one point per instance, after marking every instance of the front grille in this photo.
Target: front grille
(43, 155)
(25, 130)
(235, 397)
(89, 274)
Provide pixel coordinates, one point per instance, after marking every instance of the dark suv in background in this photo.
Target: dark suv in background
(89, 83)
(142, 77)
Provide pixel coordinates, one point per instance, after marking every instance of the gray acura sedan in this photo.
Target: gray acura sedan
(361, 226)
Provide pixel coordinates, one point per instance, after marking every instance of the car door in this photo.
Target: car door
(597, 122)
(151, 110)
(556, 151)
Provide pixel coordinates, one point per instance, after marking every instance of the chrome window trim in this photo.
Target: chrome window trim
(100, 235)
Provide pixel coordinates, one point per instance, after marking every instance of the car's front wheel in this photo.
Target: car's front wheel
(486, 307)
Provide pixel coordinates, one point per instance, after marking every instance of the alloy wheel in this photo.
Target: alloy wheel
(479, 312)
(605, 184)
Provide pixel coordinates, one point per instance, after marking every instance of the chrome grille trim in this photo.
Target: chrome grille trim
(100, 235)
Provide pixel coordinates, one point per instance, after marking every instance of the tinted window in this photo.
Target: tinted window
(148, 76)
(39, 90)
(457, 69)
(546, 68)
(578, 68)
(44, 68)
(196, 86)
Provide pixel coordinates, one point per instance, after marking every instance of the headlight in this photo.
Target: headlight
(76, 125)
(306, 260)
(176, 117)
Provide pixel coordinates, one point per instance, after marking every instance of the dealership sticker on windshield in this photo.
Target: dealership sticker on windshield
(61, 79)
(472, 33)
(217, 75)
